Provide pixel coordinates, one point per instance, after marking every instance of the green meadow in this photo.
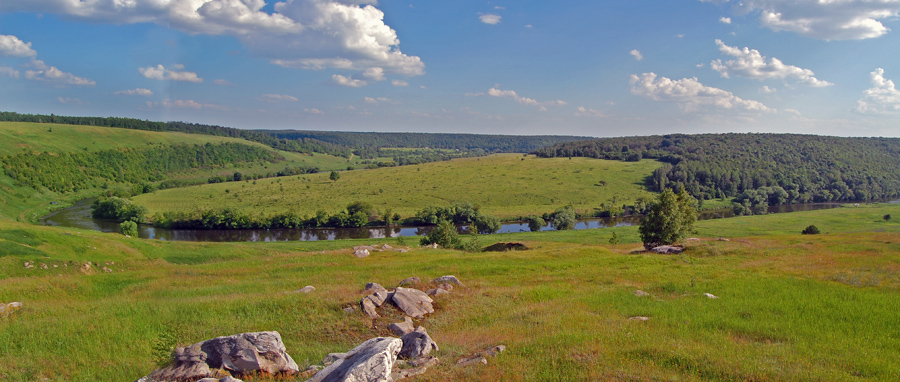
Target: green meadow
(27, 204)
(790, 307)
(504, 185)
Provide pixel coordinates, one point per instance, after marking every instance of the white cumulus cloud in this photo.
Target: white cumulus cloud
(186, 104)
(489, 18)
(750, 63)
(347, 81)
(70, 101)
(690, 94)
(11, 46)
(824, 19)
(160, 72)
(725, 20)
(374, 74)
(399, 83)
(138, 91)
(9, 72)
(882, 98)
(314, 111)
(637, 54)
(277, 98)
(293, 33)
(494, 92)
(40, 71)
(586, 112)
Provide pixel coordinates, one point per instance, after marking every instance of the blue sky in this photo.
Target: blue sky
(596, 68)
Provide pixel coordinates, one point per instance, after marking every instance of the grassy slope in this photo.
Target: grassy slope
(27, 204)
(791, 307)
(503, 185)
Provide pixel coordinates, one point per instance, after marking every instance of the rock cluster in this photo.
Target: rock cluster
(239, 354)
(413, 302)
(7, 309)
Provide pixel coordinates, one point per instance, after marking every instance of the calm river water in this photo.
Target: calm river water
(79, 216)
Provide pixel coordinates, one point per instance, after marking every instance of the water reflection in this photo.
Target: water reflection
(79, 216)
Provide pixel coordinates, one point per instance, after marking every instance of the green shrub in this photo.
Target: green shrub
(811, 230)
(128, 228)
(444, 235)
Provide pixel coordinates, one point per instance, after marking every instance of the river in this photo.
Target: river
(79, 216)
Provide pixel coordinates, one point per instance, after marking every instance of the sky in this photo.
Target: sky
(588, 68)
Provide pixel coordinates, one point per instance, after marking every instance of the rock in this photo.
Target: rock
(333, 357)
(448, 279)
(413, 302)
(349, 309)
(472, 361)
(436, 292)
(249, 352)
(44, 266)
(401, 328)
(417, 344)
(371, 361)
(417, 367)
(225, 379)
(107, 270)
(8, 309)
(641, 293)
(86, 268)
(723, 239)
(374, 287)
(28, 264)
(360, 253)
(410, 281)
(189, 364)
(401, 250)
(379, 297)
(306, 289)
(639, 318)
(495, 351)
(433, 245)
(710, 295)
(369, 307)
(385, 247)
(667, 249)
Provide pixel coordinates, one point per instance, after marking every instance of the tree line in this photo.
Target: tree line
(757, 170)
(75, 171)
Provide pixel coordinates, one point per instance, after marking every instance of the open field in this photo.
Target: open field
(506, 185)
(27, 204)
(791, 307)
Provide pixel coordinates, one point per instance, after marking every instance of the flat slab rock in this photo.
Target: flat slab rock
(372, 361)
(667, 249)
(413, 302)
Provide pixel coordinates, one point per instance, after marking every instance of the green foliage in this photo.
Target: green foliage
(670, 219)
(75, 171)
(128, 228)
(563, 218)
(810, 230)
(471, 245)
(444, 235)
(758, 169)
(334, 176)
(487, 224)
(359, 207)
(614, 239)
(535, 223)
(887, 217)
(116, 208)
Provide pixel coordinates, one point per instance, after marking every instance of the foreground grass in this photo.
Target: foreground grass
(791, 307)
(507, 185)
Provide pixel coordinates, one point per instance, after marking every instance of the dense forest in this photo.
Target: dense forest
(308, 145)
(68, 172)
(757, 170)
(462, 142)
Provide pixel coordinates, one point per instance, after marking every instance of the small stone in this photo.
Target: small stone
(374, 287)
(710, 295)
(360, 253)
(306, 289)
(496, 350)
(410, 281)
(107, 270)
(369, 307)
(385, 247)
(641, 293)
(419, 367)
(448, 279)
(44, 266)
(472, 361)
(401, 250)
(417, 344)
(29, 265)
(349, 309)
(639, 318)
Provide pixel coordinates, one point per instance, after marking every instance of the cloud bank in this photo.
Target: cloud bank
(750, 63)
(690, 94)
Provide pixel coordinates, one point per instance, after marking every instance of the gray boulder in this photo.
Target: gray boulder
(360, 253)
(413, 302)
(189, 365)
(410, 281)
(413, 367)
(374, 287)
(436, 292)
(250, 352)
(306, 289)
(332, 357)
(401, 328)
(368, 306)
(379, 297)
(417, 344)
(371, 361)
(667, 249)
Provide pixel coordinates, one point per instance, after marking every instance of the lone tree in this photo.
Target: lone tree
(334, 176)
(669, 220)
